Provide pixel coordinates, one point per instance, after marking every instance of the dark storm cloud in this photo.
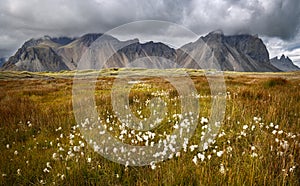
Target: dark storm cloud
(21, 20)
(275, 18)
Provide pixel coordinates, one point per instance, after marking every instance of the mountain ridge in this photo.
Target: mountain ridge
(215, 50)
(284, 63)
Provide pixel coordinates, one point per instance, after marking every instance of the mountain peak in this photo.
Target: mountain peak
(284, 63)
(282, 57)
(216, 32)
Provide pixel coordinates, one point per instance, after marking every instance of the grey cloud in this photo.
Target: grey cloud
(21, 20)
(275, 18)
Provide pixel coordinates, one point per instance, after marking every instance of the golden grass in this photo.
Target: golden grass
(37, 122)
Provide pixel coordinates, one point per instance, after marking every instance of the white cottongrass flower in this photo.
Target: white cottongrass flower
(16, 152)
(54, 156)
(219, 153)
(46, 170)
(253, 148)
(254, 155)
(19, 171)
(76, 148)
(89, 160)
(195, 160)
(292, 168)
(245, 127)
(229, 149)
(208, 157)
(7, 146)
(222, 169)
(203, 120)
(205, 146)
(201, 156)
(48, 165)
(153, 166)
(62, 177)
(193, 147)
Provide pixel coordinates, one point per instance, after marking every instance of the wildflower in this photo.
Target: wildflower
(89, 160)
(245, 127)
(274, 132)
(219, 153)
(280, 132)
(221, 134)
(192, 147)
(16, 152)
(201, 156)
(29, 124)
(48, 165)
(62, 177)
(203, 120)
(58, 129)
(7, 146)
(153, 166)
(222, 169)
(229, 149)
(195, 160)
(19, 172)
(76, 148)
(252, 147)
(205, 146)
(208, 157)
(42, 182)
(292, 168)
(254, 155)
(243, 133)
(46, 170)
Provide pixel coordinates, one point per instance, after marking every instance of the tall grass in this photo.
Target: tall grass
(258, 144)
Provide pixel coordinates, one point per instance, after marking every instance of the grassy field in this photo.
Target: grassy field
(258, 143)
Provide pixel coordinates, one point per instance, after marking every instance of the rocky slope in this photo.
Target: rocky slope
(284, 64)
(228, 53)
(214, 51)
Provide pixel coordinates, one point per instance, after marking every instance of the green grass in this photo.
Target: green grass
(259, 141)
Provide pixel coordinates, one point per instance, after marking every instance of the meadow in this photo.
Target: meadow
(258, 142)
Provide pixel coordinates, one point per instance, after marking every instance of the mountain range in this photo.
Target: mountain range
(215, 50)
(284, 63)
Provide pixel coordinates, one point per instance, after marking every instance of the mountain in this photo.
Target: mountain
(213, 51)
(37, 55)
(284, 64)
(229, 53)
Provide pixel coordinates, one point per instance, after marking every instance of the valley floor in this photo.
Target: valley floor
(258, 142)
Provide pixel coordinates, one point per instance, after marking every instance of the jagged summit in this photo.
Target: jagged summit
(284, 63)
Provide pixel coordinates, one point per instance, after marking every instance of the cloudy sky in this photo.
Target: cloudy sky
(277, 22)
